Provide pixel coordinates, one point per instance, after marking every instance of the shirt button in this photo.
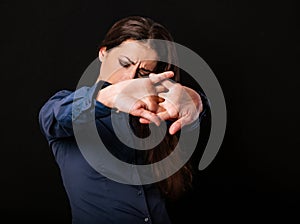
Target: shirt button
(139, 192)
(146, 219)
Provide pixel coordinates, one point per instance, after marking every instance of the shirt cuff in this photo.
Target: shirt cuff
(85, 103)
(100, 109)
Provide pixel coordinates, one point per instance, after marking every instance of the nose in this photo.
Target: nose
(132, 70)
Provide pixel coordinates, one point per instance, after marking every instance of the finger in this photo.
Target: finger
(168, 83)
(156, 99)
(151, 103)
(160, 99)
(155, 78)
(160, 88)
(178, 124)
(167, 95)
(163, 95)
(164, 115)
(160, 109)
(148, 116)
(139, 110)
(144, 121)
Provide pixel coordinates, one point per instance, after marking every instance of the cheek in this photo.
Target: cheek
(110, 68)
(119, 75)
(113, 67)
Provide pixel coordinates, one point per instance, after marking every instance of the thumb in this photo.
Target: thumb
(176, 126)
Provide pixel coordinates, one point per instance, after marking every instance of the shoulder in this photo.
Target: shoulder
(61, 93)
(58, 96)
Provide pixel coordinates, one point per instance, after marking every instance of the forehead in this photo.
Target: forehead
(135, 50)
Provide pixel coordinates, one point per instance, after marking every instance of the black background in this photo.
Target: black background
(251, 46)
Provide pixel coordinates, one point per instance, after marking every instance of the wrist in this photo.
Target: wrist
(196, 98)
(107, 96)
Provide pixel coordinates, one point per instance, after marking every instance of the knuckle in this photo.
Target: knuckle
(173, 112)
(177, 85)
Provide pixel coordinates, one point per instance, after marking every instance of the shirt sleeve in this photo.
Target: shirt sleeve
(65, 107)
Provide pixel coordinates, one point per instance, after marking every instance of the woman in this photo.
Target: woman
(134, 79)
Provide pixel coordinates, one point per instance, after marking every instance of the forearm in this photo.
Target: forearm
(107, 96)
(59, 113)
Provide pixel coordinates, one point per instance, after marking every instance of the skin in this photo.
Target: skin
(137, 90)
(123, 62)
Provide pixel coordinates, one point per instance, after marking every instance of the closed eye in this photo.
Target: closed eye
(124, 64)
(143, 74)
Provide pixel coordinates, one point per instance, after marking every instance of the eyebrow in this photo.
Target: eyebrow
(132, 62)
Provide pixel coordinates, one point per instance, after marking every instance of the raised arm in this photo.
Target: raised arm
(56, 115)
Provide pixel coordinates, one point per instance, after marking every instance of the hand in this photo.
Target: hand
(135, 96)
(180, 103)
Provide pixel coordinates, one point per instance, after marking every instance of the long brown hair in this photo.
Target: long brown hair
(142, 28)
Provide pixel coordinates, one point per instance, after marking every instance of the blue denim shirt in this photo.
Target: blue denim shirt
(93, 197)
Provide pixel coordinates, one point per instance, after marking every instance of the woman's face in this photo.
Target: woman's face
(129, 60)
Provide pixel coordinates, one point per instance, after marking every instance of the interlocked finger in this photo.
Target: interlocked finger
(156, 78)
